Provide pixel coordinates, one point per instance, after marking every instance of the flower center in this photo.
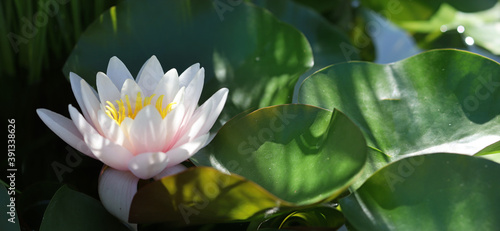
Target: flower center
(124, 109)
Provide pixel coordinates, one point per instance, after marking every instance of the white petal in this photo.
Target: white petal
(168, 86)
(193, 90)
(77, 91)
(193, 93)
(173, 123)
(170, 171)
(107, 89)
(193, 127)
(149, 75)
(125, 126)
(116, 156)
(113, 131)
(147, 165)
(65, 129)
(116, 191)
(131, 89)
(179, 97)
(187, 76)
(118, 72)
(91, 104)
(148, 131)
(185, 151)
(217, 101)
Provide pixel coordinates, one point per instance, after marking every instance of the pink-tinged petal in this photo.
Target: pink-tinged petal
(118, 72)
(147, 165)
(193, 91)
(217, 101)
(168, 86)
(107, 89)
(91, 104)
(149, 75)
(116, 191)
(173, 122)
(131, 89)
(77, 91)
(148, 131)
(193, 127)
(179, 97)
(170, 171)
(187, 76)
(125, 126)
(65, 129)
(185, 151)
(113, 131)
(110, 153)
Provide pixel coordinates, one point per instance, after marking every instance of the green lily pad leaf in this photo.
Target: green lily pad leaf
(437, 101)
(324, 216)
(422, 10)
(300, 153)
(428, 192)
(242, 47)
(72, 210)
(201, 195)
(10, 220)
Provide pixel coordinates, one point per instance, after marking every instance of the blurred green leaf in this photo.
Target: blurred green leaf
(479, 28)
(10, 220)
(428, 192)
(72, 210)
(329, 44)
(320, 5)
(391, 43)
(300, 153)
(242, 47)
(398, 11)
(437, 101)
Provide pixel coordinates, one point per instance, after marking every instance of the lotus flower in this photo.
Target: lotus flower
(140, 128)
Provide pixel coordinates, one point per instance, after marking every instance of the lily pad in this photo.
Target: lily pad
(300, 153)
(437, 101)
(428, 192)
(242, 47)
(72, 210)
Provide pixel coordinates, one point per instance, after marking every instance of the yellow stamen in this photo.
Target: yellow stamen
(124, 109)
(159, 103)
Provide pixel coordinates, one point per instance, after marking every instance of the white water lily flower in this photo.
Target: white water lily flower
(143, 126)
